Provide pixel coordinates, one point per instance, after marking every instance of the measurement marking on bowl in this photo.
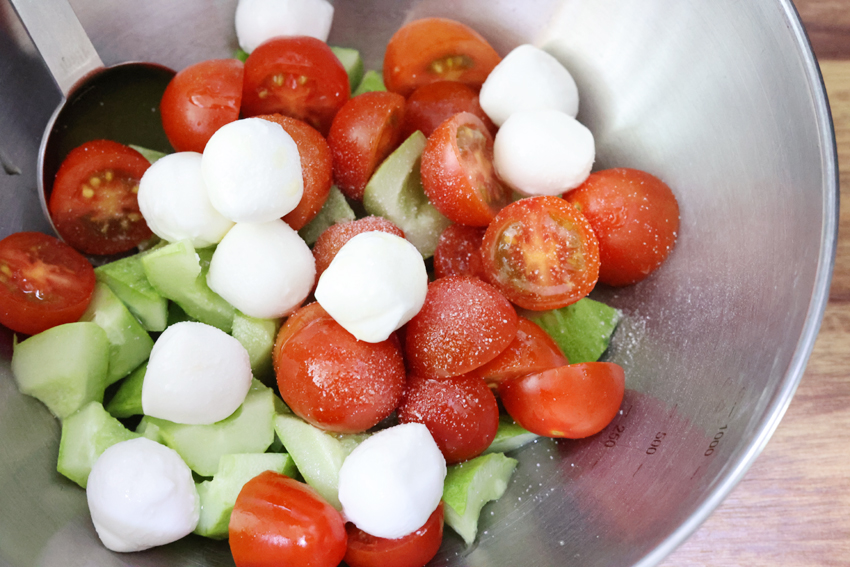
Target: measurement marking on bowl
(695, 473)
(715, 441)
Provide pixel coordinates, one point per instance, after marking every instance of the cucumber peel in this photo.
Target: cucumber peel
(336, 209)
(582, 330)
(127, 400)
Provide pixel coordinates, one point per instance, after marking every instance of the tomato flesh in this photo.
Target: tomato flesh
(413, 550)
(93, 204)
(279, 521)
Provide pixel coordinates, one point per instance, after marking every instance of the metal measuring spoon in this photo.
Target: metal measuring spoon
(119, 103)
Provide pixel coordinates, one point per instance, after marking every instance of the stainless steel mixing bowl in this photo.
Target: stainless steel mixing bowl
(722, 100)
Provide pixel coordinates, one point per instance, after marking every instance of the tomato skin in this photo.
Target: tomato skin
(432, 104)
(316, 168)
(296, 76)
(635, 217)
(458, 174)
(335, 237)
(436, 49)
(541, 253)
(413, 550)
(101, 219)
(363, 133)
(461, 413)
(463, 324)
(330, 379)
(458, 252)
(43, 282)
(532, 350)
(199, 100)
(279, 521)
(572, 402)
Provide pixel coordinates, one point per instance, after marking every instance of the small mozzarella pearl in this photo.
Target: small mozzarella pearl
(264, 270)
(392, 482)
(375, 284)
(528, 78)
(141, 494)
(260, 20)
(253, 171)
(174, 201)
(197, 374)
(543, 152)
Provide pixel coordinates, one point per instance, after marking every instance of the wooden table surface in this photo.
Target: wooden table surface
(793, 507)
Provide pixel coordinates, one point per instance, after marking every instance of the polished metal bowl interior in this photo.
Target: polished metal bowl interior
(722, 100)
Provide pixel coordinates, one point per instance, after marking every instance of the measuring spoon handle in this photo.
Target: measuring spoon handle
(60, 39)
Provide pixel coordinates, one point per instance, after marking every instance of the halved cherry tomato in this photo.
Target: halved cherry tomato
(199, 100)
(458, 174)
(461, 413)
(432, 104)
(43, 282)
(541, 253)
(463, 324)
(335, 237)
(635, 217)
(93, 204)
(316, 168)
(458, 252)
(436, 49)
(330, 379)
(295, 76)
(533, 350)
(279, 521)
(364, 132)
(572, 401)
(412, 550)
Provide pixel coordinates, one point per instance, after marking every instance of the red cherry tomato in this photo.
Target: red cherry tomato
(335, 237)
(93, 204)
(533, 350)
(199, 100)
(461, 413)
(541, 253)
(436, 49)
(295, 76)
(412, 550)
(43, 282)
(572, 401)
(463, 324)
(458, 174)
(432, 104)
(458, 252)
(279, 521)
(332, 380)
(364, 132)
(635, 217)
(316, 168)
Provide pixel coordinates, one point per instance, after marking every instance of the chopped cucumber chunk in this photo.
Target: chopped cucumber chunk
(257, 336)
(395, 192)
(127, 400)
(150, 430)
(582, 330)
(65, 367)
(129, 343)
(179, 273)
(469, 486)
(250, 429)
(219, 494)
(151, 155)
(85, 435)
(336, 209)
(126, 278)
(352, 63)
(372, 81)
(510, 436)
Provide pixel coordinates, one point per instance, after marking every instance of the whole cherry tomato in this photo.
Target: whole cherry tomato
(432, 104)
(413, 550)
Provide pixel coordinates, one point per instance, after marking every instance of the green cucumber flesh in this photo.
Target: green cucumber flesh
(582, 330)
(336, 209)
(126, 278)
(352, 63)
(257, 336)
(372, 81)
(151, 155)
(510, 436)
(127, 399)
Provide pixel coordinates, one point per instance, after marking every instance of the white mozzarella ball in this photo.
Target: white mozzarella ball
(528, 78)
(197, 374)
(375, 284)
(264, 270)
(260, 20)
(173, 199)
(141, 494)
(392, 482)
(253, 171)
(543, 152)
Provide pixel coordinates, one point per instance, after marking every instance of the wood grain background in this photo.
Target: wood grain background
(793, 506)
